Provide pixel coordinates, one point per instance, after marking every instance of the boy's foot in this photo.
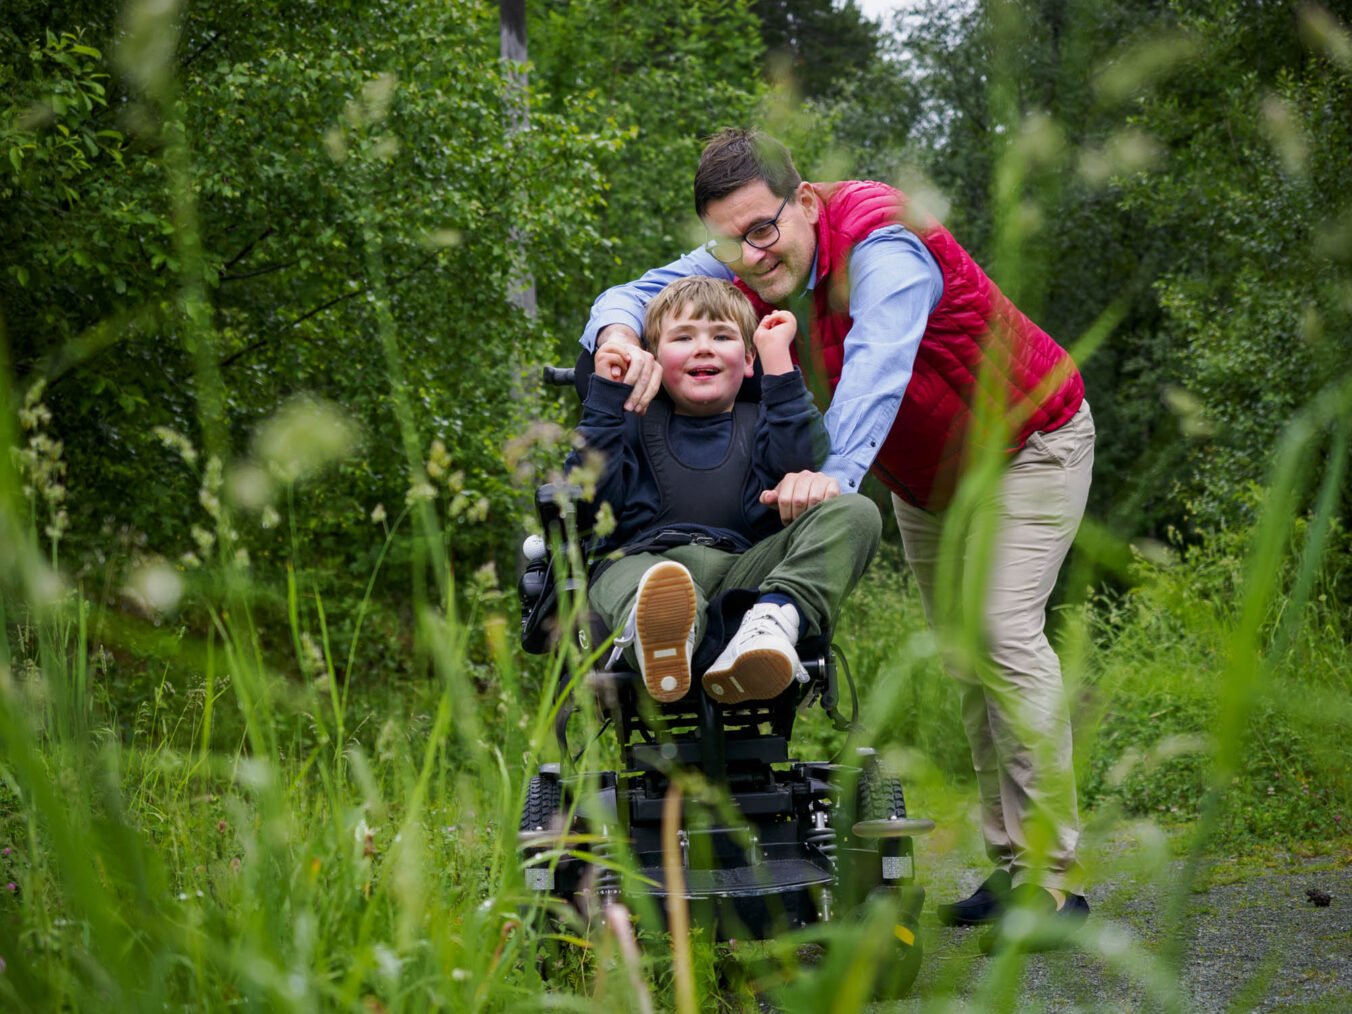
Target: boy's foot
(663, 622)
(761, 659)
(1036, 920)
(982, 906)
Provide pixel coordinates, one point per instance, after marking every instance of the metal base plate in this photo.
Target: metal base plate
(902, 827)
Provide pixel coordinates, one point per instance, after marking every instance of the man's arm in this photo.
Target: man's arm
(623, 304)
(895, 284)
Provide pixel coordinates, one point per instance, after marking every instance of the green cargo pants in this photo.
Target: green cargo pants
(816, 561)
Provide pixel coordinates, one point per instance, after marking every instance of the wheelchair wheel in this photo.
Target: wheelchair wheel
(898, 971)
(542, 812)
(544, 799)
(880, 795)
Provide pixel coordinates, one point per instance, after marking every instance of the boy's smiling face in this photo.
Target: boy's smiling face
(703, 363)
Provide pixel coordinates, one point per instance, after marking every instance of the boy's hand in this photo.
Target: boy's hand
(773, 339)
(620, 356)
(612, 362)
(798, 491)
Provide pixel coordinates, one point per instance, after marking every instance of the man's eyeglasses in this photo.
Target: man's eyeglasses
(761, 236)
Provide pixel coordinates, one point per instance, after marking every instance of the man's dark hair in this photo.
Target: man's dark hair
(734, 157)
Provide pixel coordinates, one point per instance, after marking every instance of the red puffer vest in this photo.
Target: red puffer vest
(974, 328)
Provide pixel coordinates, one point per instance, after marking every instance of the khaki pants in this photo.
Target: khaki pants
(1013, 702)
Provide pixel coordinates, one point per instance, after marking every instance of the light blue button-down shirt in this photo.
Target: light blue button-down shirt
(895, 284)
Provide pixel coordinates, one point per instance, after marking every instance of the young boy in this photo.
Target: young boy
(687, 483)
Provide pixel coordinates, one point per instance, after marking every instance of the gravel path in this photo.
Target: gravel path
(1250, 939)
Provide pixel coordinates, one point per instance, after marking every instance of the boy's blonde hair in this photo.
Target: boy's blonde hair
(704, 298)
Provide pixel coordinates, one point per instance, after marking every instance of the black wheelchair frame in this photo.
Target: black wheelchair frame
(796, 843)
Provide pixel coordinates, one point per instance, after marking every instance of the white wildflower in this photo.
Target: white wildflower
(303, 437)
(421, 490)
(176, 442)
(157, 587)
(438, 460)
(204, 539)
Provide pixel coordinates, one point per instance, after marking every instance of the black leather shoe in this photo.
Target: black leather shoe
(1033, 923)
(984, 906)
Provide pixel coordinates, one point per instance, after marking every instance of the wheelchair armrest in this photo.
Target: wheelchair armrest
(555, 502)
(540, 606)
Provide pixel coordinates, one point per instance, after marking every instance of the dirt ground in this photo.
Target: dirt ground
(1248, 937)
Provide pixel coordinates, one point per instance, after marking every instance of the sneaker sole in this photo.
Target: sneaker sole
(755, 676)
(665, 616)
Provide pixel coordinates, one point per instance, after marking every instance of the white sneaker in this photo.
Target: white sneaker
(662, 628)
(760, 661)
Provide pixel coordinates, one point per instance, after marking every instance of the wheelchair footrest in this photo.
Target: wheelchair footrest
(690, 753)
(771, 876)
(766, 803)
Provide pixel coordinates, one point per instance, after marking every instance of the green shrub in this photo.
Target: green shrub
(1150, 741)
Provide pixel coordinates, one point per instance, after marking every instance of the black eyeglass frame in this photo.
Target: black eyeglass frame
(725, 245)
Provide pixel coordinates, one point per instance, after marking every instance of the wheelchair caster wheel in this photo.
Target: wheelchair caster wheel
(898, 972)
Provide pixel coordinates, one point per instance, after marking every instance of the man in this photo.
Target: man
(926, 366)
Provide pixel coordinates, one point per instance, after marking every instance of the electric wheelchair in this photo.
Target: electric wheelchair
(766, 843)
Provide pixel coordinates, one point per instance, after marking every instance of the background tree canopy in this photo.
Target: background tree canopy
(1183, 163)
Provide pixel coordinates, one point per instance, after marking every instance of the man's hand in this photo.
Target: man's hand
(620, 356)
(798, 491)
(772, 339)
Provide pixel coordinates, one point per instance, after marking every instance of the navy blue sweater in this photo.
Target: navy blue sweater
(790, 437)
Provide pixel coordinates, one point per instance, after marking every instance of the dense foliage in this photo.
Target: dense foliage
(374, 141)
(364, 159)
(1182, 160)
(664, 75)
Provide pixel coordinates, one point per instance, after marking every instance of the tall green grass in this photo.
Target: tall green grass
(230, 835)
(204, 804)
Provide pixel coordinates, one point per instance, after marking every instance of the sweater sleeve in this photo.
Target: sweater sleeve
(790, 433)
(611, 435)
